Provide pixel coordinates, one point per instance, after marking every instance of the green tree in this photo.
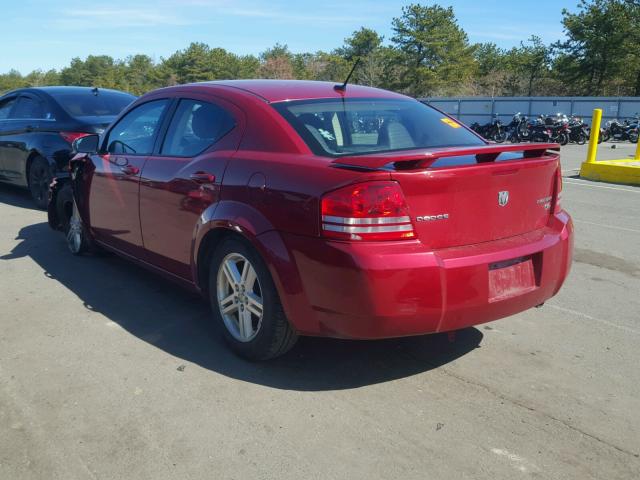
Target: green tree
(12, 79)
(531, 61)
(188, 65)
(277, 62)
(434, 50)
(491, 69)
(594, 52)
(365, 45)
(94, 71)
(140, 74)
(361, 43)
(631, 71)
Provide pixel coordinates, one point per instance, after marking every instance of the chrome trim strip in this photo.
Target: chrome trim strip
(381, 229)
(365, 221)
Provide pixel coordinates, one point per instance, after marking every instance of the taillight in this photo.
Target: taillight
(367, 211)
(557, 204)
(71, 137)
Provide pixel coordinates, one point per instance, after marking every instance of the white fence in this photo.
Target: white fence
(482, 109)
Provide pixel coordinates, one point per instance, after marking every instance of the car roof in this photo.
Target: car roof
(282, 90)
(65, 89)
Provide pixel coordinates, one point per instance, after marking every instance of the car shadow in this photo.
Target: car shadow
(179, 322)
(16, 197)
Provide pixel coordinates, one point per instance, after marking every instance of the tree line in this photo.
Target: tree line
(428, 54)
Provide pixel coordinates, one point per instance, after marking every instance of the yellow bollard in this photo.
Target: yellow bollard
(637, 155)
(593, 137)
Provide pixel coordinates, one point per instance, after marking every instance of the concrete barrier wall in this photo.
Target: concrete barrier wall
(481, 109)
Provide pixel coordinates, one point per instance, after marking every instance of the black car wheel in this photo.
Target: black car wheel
(246, 304)
(39, 180)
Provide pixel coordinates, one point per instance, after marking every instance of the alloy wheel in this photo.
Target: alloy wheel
(239, 297)
(74, 234)
(39, 182)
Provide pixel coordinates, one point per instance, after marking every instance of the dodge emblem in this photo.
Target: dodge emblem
(503, 198)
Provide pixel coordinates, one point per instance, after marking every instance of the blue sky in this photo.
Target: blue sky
(40, 34)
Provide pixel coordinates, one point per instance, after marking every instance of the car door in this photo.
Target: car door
(26, 121)
(6, 127)
(113, 197)
(184, 177)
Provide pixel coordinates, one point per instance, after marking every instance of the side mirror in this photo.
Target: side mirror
(86, 144)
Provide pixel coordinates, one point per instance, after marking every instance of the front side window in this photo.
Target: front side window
(135, 133)
(359, 126)
(5, 108)
(195, 126)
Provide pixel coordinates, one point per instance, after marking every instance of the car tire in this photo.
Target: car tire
(39, 180)
(245, 303)
(64, 206)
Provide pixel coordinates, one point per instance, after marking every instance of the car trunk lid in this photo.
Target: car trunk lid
(468, 195)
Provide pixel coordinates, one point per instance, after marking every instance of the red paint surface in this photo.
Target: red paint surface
(267, 185)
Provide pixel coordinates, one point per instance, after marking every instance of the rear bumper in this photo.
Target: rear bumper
(384, 290)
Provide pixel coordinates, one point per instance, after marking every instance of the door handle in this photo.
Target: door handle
(202, 177)
(129, 170)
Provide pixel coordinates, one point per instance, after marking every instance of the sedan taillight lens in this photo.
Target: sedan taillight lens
(557, 205)
(371, 211)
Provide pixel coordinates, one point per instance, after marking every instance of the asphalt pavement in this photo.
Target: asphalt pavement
(110, 372)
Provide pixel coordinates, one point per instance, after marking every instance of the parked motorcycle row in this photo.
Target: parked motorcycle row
(557, 128)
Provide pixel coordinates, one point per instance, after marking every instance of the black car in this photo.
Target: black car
(38, 126)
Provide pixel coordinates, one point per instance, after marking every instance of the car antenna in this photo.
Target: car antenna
(94, 90)
(343, 86)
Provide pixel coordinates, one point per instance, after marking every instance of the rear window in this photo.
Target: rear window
(360, 126)
(93, 103)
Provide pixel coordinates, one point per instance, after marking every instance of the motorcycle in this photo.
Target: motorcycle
(493, 130)
(577, 131)
(517, 130)
(550, 129)
(559, 126)
(539, 131)
(621, 131)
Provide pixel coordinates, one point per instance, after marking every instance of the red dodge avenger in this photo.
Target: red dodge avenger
(308, 208)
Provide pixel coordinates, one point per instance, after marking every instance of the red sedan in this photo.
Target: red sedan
(304, 208)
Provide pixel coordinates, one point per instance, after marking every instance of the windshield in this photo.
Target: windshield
(90, 104)
(358, 126)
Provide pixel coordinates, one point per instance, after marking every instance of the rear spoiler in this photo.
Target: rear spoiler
(424, 158)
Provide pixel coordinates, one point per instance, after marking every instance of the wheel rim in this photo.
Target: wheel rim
(239, 297)
(74, 235)
(39, 182)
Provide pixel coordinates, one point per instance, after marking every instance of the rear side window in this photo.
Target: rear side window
(28, 108)
(196, 125)
(136, 131)
(359, 126)
(92, 103)
(5, 108)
